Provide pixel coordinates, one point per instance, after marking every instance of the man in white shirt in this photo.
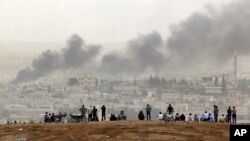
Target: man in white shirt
(205, 116)
(190, 118)
(160, 116)
(90, 113)
(222, 119)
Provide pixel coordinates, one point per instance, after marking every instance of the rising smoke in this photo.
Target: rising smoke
(76, 54)
(214, 34)
(143, 52)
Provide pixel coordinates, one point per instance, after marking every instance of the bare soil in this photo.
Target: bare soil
(116, 131)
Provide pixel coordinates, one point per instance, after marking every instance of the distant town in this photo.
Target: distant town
(29, 101)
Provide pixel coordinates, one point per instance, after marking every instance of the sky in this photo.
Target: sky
(96, 21)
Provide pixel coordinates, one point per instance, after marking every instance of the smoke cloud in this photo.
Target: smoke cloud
(143, 52)
(214, 34)
(75, 55)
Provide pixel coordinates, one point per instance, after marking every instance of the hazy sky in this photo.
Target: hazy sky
(96, 21)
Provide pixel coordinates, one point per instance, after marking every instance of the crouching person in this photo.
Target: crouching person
(141, 115)
(196, 118)
(222, 119)
(177, 117)
(112, 117)
(46, 117)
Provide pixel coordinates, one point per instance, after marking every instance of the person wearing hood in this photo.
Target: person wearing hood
(141, 115)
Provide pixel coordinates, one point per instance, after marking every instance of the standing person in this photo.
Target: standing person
(148, 111)
(170, 109)
(234, 114)
(103, 112)
(229, 114)
(95, 118)
(83, 111)
(216, 113)
(90, 113)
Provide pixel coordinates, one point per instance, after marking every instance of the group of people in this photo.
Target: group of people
(121, 116)
(48, 117)
(92, 113)
(160, 116)
(231, 114)
(206, 117)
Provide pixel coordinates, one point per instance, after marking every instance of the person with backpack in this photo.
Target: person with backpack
(141, 115)
(83, 111)
(234, 114)
(229, 114)
(148, 111)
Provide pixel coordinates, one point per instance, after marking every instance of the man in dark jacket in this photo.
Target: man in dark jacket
(229, 114)
(95, 118)
(141, 115)
(103, 112)
(113, 117)
(148, 111)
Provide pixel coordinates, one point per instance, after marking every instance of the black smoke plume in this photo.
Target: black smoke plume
(214, 34)
(75, 55)
(143, 52)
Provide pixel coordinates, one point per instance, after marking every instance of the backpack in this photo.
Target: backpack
(148, 109)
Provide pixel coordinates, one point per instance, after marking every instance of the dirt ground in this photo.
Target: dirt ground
(115, 131)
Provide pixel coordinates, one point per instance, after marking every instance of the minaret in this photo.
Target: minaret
(235, 66)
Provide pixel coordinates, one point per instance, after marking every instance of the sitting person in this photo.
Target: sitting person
(122, 116)
(46, 117)
(52, 117)
(141, 115)
(205, 117)
(164, 116)
(190, 118)
(60, 115)
(196, 118)
(210, 118)
(113, 117)
(222, 119)
(160, 116)
(177, 117)
(182, 117)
